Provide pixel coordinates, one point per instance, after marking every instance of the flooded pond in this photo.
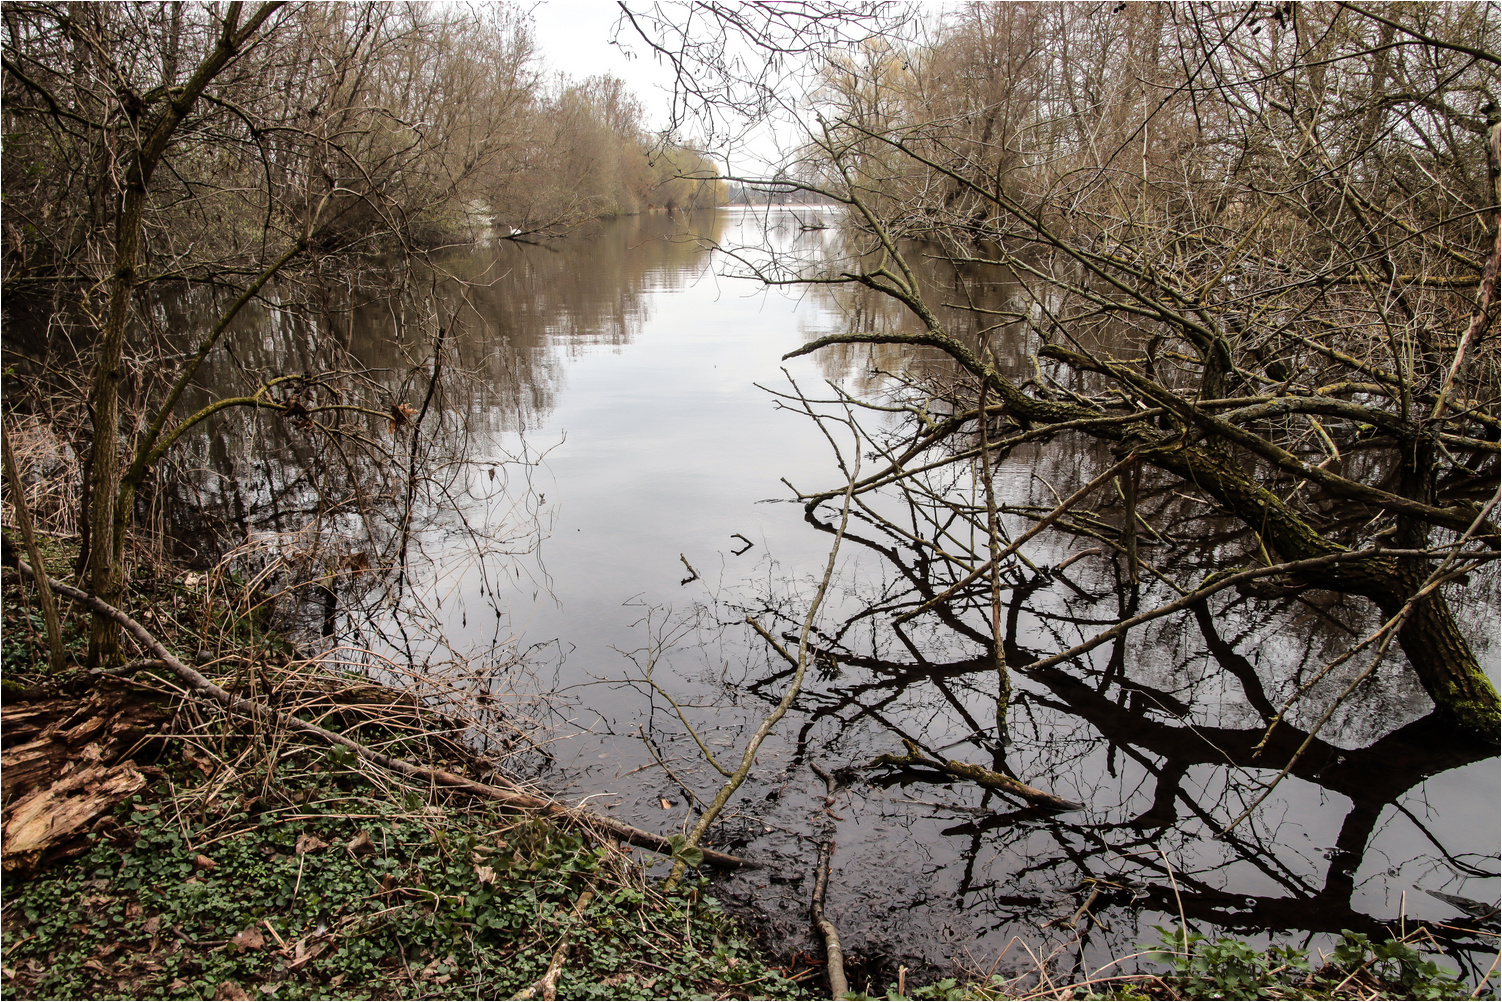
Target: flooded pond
(611, 498)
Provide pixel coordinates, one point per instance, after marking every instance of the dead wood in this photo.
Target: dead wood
(67, 763)
(202, 688)
(546, 987)
(53, 815)
(834, 956)
(978, 774)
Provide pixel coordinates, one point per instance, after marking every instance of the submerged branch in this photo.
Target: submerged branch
(987, 778)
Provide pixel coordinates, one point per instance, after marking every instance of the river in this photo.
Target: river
(610, 455)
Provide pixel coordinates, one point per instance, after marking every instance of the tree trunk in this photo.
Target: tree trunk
(1444, 663)
(109, 515)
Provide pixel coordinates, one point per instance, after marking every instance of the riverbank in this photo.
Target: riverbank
(338, 839)
(158, 848)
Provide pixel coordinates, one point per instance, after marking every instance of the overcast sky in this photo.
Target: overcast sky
(574, 36)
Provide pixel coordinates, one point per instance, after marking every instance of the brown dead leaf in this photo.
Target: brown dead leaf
(133, 910)
(203, 862)
(249, 938)
(486, 874)
(667, 804)
(232, 992)
(399, 415)
(199, 762)
(301, 953)
(309, 843)
(152, 925)
(361, 845)
(430, 973)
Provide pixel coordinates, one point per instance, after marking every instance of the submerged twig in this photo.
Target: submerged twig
(988, 778)
(748, 757)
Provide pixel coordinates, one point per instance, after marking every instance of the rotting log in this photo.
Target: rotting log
(205, 689)
(980, 775)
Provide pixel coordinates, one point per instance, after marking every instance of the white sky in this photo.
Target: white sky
(574, 36)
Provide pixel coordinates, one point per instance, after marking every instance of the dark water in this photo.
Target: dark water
(609, 496)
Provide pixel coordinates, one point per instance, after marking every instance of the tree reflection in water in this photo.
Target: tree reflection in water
(1155, 731)
(1163, 734)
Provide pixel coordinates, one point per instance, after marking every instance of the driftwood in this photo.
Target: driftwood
(834, 957)
(978, 774)
(513, 797)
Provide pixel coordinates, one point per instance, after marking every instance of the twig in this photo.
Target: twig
(1042, 523)
(748, 757)
(659, 760)
(985, 777)
(547, 985)
(28, 536)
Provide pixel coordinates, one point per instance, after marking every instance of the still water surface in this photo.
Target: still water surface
(636, 374)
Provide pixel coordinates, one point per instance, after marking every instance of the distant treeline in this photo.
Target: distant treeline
(372, 124)
(278, 154)
(771, 194)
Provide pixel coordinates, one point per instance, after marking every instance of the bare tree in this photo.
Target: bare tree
(1251, 251)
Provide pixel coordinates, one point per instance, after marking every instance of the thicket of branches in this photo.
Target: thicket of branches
(1250, 252)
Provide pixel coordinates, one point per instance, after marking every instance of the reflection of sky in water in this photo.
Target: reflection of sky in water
(633, 360)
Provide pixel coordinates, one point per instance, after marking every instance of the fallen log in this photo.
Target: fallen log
(988, 778)
(514, 797)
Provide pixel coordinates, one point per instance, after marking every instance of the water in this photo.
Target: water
(643, 374)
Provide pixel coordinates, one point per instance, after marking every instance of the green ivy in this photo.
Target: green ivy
(405, 914)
